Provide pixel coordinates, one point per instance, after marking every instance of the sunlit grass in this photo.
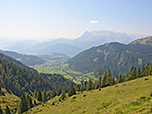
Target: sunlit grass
(131, 97)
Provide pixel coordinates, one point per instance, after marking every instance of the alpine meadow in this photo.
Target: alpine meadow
(75, 57)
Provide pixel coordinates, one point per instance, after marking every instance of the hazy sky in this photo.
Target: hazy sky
(44, 19)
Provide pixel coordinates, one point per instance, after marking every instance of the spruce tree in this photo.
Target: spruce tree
(23, 106)
(7, 110)
(138, 73)
(71, 90)
(132, 74)
(143, 70)
(123, 78)
(112, 81)
(89, 85)
(59, 91)
(52, 94)
(44, 96)
(63, 95)
(120, 78)
(107, 79)
(150, 71)
(39, 95)
(35, 94)
(29, 101)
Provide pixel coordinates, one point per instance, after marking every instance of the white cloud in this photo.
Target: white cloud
(93, 21)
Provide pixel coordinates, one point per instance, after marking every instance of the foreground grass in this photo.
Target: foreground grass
(131, 97)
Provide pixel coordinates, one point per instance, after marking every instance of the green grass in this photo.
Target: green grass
(44, 69)
(8, 99)
(91, 75)
(68, 77)
(131, 97)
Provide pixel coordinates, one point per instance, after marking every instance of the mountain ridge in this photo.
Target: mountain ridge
(117, 56)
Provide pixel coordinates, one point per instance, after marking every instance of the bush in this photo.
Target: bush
(146, 78)
(53, 103)
(84, 95)
(74, 97)
(143, 97)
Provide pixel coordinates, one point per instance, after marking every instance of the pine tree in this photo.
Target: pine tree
(107, 79)
(71, 90)
(7, 110)
(39, 95)
(123, 78)
(59, 91)
(23, 106)
(138, 73)
(29, 101)
(89, 85)
(63, 95)
(44, 96)
(35, 94)
(112, 81)
(52, 94)
(150, 71)
(132, 74)
(120, 78)
(1, 112)
(143, 70)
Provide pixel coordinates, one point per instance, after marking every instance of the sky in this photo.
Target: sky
(46, 19)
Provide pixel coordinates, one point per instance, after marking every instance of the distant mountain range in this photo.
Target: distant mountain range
(116, 56)
(73, 47)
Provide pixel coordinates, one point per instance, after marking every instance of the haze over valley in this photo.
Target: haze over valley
(74, 57)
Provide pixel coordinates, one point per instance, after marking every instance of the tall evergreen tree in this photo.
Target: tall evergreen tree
(150, 71)
(107, 79)
(52, 94)
(7, 110)
(39, 95)
(71, 90)
(59, 91)
(35, 94)
(123, 78)
(44, 96)
(63, 95)
(112, 81)
(29, 101)
(120, 78)
(23, 105)
(132, 74)
(143, 70)
(89, 85)
(139, 72)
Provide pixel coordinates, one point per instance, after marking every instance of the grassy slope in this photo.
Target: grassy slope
(8, 99)
(122, 98)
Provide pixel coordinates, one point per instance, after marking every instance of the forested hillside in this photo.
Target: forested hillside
(29, 60)
(116, 56)
(17, 78)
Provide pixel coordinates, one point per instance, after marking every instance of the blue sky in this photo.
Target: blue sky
(44, 19)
